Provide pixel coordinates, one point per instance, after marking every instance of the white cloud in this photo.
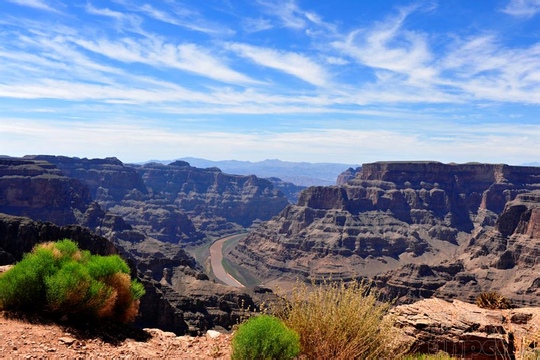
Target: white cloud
(486, 69)
(36, 4)
(523, 8)
(333, 60)
(131, 141)
(155, 52)
(387, 46)
(125, 21)
(252, 25)
(286, 11)
(180, 17)
(291, 63)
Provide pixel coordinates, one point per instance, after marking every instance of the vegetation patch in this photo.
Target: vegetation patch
(493, 300)
(60, 279)
(341, 321)
(265, 337)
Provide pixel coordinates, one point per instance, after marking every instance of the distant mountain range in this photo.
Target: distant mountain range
(299, 173)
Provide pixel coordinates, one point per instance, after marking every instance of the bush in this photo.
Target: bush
(265, 337)
(493, 300)
(341, 321)
(60, 279)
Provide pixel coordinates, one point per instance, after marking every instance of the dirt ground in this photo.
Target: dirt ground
(31, 338)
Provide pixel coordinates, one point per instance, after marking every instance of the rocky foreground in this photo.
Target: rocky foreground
(433, 325)
(23, 339)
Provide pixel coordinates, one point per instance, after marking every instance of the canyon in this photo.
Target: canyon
(414, 230)
(148, 214)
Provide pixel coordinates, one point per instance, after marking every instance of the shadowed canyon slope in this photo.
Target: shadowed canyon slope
(416, 228)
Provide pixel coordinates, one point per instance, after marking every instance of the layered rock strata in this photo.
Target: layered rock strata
(416, 229)
(173, 203)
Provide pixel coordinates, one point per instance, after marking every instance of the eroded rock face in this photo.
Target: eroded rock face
(39, 190)
(107, 179)
(347, 175)
(209, 193)
(176, 202)
(416, 229)
(18, 235)
(466, 331)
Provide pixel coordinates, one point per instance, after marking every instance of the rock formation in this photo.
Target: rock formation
(39, 190)
(466, 331)
(417, 229)
(173, 203)
(347, 175)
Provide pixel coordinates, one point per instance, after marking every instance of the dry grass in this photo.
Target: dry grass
(492, 300)
(125, 306)
(341, 321)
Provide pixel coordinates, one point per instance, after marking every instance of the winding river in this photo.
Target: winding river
(216, 258)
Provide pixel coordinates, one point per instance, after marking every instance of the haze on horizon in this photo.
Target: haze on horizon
(340, 81)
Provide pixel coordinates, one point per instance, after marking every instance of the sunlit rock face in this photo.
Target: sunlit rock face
(413, 227)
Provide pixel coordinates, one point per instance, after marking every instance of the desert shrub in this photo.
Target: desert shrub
(492, 300)
(61, 279)
(341, 321)
(265, 337)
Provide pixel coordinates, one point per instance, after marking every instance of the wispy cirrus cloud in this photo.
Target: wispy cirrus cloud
(177, 15)
(522, 8)
(154, 51)
(36, 4)
(252, 25)
(286, 11)
(486, 69)
(125, 137)
(288, 62)
(389, 47)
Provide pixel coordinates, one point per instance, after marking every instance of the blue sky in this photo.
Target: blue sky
(317, 81)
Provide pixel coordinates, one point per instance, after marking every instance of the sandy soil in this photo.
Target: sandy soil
(31, 338)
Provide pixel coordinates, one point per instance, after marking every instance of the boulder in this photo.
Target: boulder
(466, 331)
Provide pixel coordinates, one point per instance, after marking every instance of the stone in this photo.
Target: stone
(464, 330)
(212, 334)
(67, 340)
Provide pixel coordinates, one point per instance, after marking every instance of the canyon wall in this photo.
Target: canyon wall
(414, 228)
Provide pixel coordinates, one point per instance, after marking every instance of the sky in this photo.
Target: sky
(344, 81)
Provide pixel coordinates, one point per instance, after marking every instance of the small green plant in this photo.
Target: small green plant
(58, 278)
(493, 300)
(265, 337)
(337, 320)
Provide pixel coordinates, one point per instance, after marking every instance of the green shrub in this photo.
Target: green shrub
(493, 300)
(265, 337)
(341, 321)
(61, 279)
